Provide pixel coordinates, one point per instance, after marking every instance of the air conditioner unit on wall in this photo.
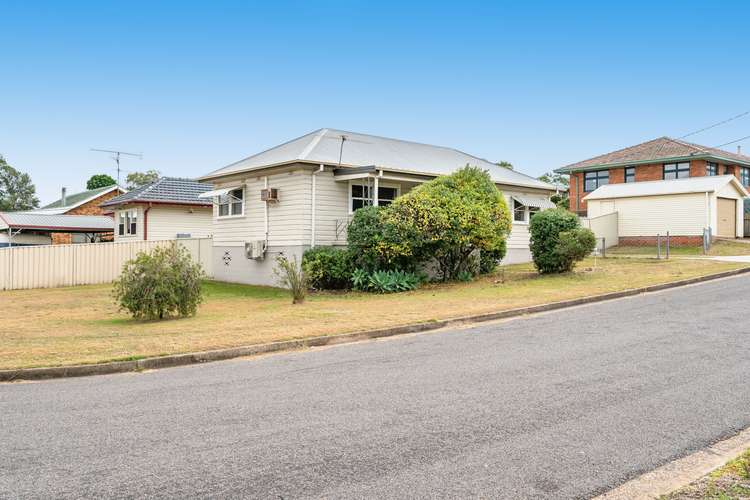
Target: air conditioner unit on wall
(255, 250)
(269, 194)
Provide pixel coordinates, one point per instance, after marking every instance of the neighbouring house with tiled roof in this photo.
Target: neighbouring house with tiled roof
(83, 203)
(166, 209)
(303, 193)
(657, 195)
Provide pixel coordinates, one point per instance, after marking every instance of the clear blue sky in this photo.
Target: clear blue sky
(195, 86)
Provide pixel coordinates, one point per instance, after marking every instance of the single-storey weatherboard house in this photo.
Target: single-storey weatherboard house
(303, 193)
(166, 209)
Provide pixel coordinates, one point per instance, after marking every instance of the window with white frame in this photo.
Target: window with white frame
(232, 203)
(128, 222)
(522, 213)
(360, 194)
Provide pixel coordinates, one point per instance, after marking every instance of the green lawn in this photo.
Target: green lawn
(62, 326)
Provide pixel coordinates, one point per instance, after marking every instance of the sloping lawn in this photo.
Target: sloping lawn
(719, 248)
(82, 324)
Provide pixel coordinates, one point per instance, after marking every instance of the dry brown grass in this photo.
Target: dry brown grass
(82, 324)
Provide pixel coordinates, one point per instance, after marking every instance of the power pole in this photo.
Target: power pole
(116, 157)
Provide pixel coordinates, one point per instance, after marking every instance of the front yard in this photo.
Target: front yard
(732, 481)
(63, 326)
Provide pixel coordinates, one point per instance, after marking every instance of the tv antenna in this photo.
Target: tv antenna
(116, 156)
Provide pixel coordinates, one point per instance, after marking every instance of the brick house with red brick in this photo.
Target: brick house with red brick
(660, 159)
(83, 203)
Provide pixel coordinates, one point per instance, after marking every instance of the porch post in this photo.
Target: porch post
(374, 194)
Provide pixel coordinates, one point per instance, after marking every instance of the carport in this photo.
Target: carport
(29, 228)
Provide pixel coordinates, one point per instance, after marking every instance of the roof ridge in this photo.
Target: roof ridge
(703, 149)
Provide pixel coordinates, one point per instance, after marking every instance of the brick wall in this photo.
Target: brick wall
(89, 208)
(674, 241)
(649, 172)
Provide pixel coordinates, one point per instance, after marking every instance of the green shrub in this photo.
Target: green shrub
(388, 281)
(328, 268)
(374, 242)
(160, 284)
(490, 259)
(574, 246)
(549, 253)
(290, 276)
(447, 219)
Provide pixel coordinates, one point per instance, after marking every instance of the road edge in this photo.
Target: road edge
(681, 472)
(173, 360)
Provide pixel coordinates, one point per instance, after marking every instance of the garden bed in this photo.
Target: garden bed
(52, 327)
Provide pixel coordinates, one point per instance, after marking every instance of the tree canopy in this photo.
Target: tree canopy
(17, 192)
(99, 181)
(138, 179)
(562, 182)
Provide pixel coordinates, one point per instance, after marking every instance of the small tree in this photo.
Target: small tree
(17, 192)
(138, 179)
(558, 241)
(562, 182)
(163, 283)
(448, 219)
(97, 181)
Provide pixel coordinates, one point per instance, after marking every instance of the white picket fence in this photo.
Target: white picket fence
(50, 266)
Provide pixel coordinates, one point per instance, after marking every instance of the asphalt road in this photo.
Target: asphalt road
(559, 405)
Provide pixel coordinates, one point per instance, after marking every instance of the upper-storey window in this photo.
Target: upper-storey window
(712, 168)
(232, 203)
(745, 176)
(592, 180)
(676, 170)
(629, 174)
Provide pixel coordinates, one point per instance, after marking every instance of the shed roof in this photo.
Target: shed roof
(659, 188)
(77, 199)
(55, 222)
(663, 148)
(172, 190)
(325, 146)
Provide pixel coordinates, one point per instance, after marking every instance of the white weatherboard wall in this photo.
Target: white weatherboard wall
(165, 222)
(680, 214)
(52, 266)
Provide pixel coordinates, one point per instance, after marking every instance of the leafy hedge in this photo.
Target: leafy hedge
(328, 268)
(558, 241)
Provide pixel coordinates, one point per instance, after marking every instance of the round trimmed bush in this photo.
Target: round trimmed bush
(553, 251)
(163, 283)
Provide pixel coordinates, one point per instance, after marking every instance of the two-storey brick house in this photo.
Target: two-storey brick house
(660, 159)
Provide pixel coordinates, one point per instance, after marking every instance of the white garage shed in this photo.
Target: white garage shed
(683, 207)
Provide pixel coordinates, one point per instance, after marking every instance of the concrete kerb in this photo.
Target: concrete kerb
(290, 345)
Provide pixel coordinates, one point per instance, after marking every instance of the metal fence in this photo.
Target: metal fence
(49, 266)
(663, 245)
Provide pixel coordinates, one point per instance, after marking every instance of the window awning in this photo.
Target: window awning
(217, 192)
(534, 201)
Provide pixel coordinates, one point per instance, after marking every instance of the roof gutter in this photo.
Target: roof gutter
(698, 156)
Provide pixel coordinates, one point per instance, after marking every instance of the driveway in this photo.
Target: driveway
(560, 405)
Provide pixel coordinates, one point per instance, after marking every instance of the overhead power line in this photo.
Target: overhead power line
(715, 125)
(732, 142)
